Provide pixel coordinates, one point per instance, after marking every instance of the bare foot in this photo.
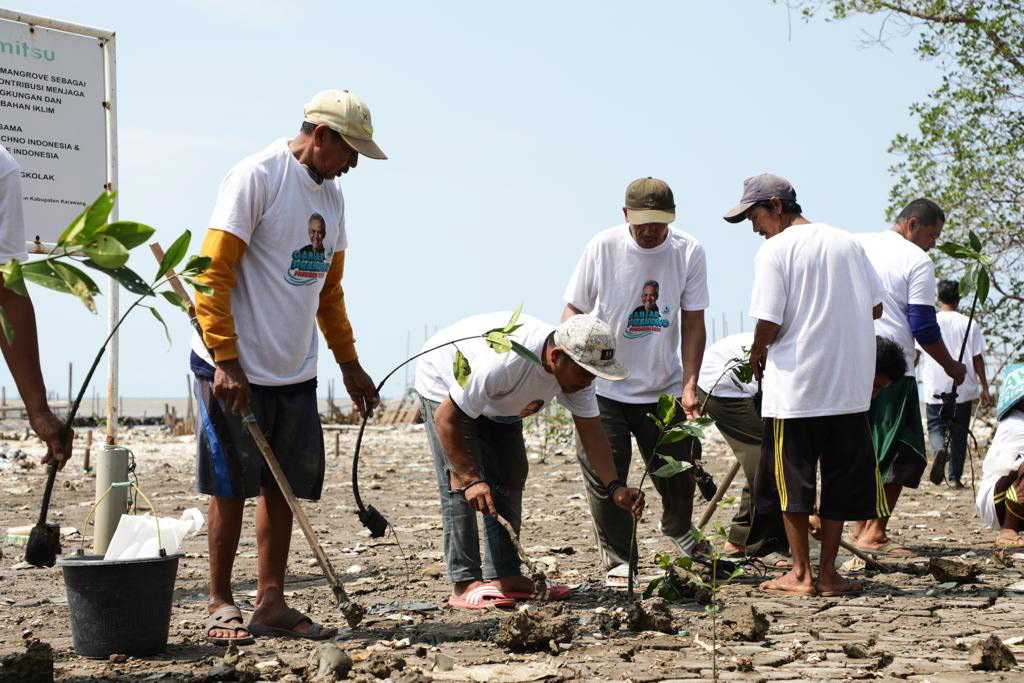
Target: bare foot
(790, 583)
(882, 545)
(1008, 538)
(831, 584)
(732, 549)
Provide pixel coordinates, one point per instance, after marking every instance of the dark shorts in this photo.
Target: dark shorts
(228, 463)
(897, 432)
(851, 487)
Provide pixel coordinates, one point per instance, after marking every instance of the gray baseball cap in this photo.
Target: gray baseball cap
(760, 188)
(589, 341)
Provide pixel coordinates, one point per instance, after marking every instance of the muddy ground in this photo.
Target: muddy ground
(905, 626)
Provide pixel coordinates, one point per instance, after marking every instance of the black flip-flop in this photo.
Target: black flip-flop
(227, 618)
(286, 627)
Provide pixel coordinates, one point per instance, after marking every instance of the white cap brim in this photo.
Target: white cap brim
(612, 372)
(644, 216)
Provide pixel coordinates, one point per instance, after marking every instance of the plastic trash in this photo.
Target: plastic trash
(136, 535)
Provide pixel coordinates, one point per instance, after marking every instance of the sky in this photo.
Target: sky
(512, 131)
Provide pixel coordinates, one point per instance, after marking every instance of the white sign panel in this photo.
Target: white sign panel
(53, 122)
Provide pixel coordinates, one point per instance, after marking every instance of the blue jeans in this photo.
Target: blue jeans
(500, 452)
(961, 422)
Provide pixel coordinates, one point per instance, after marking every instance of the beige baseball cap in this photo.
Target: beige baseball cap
(347, 115)
(649, 200)
(589, 341)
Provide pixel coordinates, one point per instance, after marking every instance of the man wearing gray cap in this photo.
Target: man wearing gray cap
(277, 243)
(649, 282)
(475, 431)
(815, 297)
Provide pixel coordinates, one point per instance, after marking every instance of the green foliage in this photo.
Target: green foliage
(967, 153)
(499, 339)
(460, 368)
(174, 254)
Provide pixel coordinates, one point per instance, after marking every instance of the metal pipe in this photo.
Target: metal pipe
(111, 467)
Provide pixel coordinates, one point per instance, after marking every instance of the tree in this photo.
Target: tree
(968, 151)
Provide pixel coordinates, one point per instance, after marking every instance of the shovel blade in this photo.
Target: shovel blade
(43, 545)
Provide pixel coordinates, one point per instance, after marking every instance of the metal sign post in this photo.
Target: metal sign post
(49, 126)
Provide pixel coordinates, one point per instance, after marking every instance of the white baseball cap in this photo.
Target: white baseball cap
(347, 115)
(589, 341)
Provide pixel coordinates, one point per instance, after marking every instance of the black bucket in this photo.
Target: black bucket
(119, 606)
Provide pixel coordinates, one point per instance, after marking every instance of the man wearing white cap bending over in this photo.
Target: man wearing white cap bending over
(475, 430)
(649, 281)
(277, 242)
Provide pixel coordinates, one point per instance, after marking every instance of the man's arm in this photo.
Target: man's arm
(450, 423)
(694, 339)
(925, 328)
(569, 311)
(765, 333)
(22, 358)
(332, 317)
(979, 370)
(213, 311)
(599, 454)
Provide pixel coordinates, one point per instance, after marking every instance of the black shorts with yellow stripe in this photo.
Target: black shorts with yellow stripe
(1007, 499)
(851, 486)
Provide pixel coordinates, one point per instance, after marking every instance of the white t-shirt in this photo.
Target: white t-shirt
(815, 281)
(908, 276)
(269, 201)
(500, 384)
(640, 293)
(12, 222)
(1005, 455)
(716, 358)
(935, 380)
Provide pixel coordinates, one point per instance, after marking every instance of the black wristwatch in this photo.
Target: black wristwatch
(613, 486)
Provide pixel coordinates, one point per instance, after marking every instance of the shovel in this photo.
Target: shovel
(44, 541)
(353, 612)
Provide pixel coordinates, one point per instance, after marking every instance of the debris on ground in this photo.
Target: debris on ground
(743, 622)
(991, 654)
(502, 673)
(329, 662)
(651, 614)
(946, 570)
(382, 664)
(34, 665)
(535, 630)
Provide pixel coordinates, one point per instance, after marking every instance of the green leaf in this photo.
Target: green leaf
(79, 284)
(680, 432)
(196, 265)
(969, 280)
(200, 287)
(107, 252)
(524, 352)
(498, 341)
(173, 256)
(671, 468)
(5, 325)
(975, 242)
(958, 251)
(510, 325)
(175, 300)
(983, 285)
(461, 369)
(14, 280)
(129, 233)
(156, 314)
(42, 274)
(127, 277)
(87, 223)
(666, 409)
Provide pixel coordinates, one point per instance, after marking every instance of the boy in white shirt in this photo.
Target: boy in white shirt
(1000, 500)
(815, 296)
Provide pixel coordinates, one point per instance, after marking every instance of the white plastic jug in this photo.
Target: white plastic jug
(136, 535)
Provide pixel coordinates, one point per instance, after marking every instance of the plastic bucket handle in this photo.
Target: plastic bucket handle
(121, 485)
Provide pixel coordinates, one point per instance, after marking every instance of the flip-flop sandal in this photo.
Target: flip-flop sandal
(482, 597)
(556, 591)
(1008, 544)
(887, 550)
(228, 618)
(845, 591)
(618, 577)
(286, 627)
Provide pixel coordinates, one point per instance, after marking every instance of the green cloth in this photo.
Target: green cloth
(895, 417)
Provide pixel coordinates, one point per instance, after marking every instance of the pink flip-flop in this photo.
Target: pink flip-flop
(482, 597)
(556, 591)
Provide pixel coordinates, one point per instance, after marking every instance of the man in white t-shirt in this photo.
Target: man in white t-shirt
(649, 282)
(22, 354)
(815, 295)
(475, 431)
(277, 242)
(952, 421)
(899, 256)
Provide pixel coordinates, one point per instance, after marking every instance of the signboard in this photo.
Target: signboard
(53, 121)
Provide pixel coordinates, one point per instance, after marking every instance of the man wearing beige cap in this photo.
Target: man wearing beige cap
(277, 242)
(650, 283)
